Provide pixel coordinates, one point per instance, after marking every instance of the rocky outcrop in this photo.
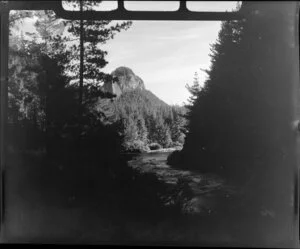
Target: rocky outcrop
(127, 81)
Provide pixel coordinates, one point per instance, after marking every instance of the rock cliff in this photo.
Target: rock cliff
(127, 81)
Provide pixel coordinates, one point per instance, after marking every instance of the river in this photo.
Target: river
(207, 190)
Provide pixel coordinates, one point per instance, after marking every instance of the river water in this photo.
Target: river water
(208, 190)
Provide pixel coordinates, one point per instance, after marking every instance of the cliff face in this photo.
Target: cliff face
(127, 81)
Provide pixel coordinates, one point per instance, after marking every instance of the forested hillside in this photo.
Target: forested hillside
(43, 78)
(147, 122)
(64, 138)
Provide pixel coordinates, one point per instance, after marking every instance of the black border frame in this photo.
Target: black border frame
(182, 14)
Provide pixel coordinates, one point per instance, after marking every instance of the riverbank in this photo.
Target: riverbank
(204, 190)
(128, 156)
(144, 210)
(165, 150)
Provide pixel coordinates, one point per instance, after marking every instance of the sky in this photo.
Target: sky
(165, 54)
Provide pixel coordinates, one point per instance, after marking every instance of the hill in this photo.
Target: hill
(124, 80)
(147, 121)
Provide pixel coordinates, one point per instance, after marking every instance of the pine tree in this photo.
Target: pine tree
(53, 91)
(151, 127)
(62, 38)
(24, 102)
(177, 127)
(166, 139)
(142, 130)
(214, 108)
(237, 118)
(95, 33)
(193, 90)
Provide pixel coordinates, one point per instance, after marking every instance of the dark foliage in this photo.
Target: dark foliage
(154, 146)
(240, 123)
(176, 159)
(148, 120)
(71, 152)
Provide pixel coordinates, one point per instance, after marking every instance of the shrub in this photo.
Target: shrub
(155, 146)
(177, 144)
(181, 139)
(136, 146)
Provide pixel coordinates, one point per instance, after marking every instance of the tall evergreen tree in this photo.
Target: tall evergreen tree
(238, 126)
(142, 130)
(194, 90)
(177, 127)
(95, 33)
(131, 131)
(63, 38)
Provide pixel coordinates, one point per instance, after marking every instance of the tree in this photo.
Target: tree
(151, 126)
(55, 92)
(177, 127)
(17, 17)
(40, 83)
(64, 38)
(23, 70)
(94, 34)
(193, 90)
(142, 130)
(50, 31)
(165, 137)
(214, 109)
(130, 132)
(238, 128)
